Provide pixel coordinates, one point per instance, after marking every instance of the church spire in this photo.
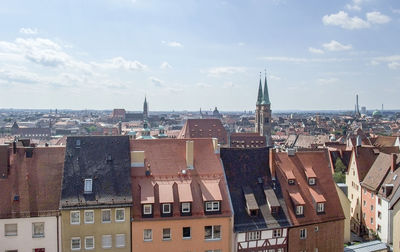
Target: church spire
(266, 95)
(260, 94)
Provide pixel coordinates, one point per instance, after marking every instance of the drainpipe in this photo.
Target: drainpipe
(58, 234)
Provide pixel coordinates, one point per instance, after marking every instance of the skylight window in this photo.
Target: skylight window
(88, 185)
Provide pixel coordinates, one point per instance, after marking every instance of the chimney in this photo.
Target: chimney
(137, 158)
(189, 154)
(272, 162)
(394, 159)
(215, 145)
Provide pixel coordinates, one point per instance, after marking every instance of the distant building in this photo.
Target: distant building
(119, 114)
(204, 128)
(33, 133)
(96, 195)
(145, 110)
(263, 113)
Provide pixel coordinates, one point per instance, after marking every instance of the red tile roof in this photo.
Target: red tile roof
(204, 128)
(167, 160)
(36, 180)
(302, 192)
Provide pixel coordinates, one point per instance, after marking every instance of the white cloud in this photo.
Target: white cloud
(121, 63)
(336, 46)
(172, 43)
(376, 17)
(229, 84)
(327, 80)
(315, 50)
(241, 44)
(28, 31)
(343, 20)
(157, 82)
(165, 65)
(355, 5)
(18, 76)
(394, 65)
(226, 70)
(273, 77)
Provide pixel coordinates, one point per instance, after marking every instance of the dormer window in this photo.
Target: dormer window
(291, 181)
(147, 209)
(185, 208)
(299, 210)
(212, 206)
(88, 186)
(320, 207)
(311, 181)
(78, 143)
(166, 209)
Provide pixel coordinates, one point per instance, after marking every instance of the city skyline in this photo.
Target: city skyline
(184, 55)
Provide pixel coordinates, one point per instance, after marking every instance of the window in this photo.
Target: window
(256, 235)
(75, 243)
(212, 232)
(166, 234)
(379, 228)
(372, 220)
(379, 201)
(186, 207)
(379, 215)
(372, 207)
(147, 235)
(166, 208)
(75, 217)
(212, 206)
(291, 181)
(303, 233)
(120, 240)
(10, 229)
(89, 216)
(106, 215)
(320, 207)
(119, 214)
(372, 195)
(311, 181)
(37, 229)
(147, 209)
(106, 241)
(316, 228)
(276, 233)
(88, 185)
(186, 233)
(89, 242)
(299, 210)
(364, 202)
(351, 196)
(364, 216)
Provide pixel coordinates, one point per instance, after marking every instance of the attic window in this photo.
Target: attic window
(78, 142)
(109, 158)
(311, 181)
(299, 210)
(291, 181)
(88, 185)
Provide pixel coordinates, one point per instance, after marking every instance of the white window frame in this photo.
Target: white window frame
(86, 238)
(79, 217)
(144, 235)
(169, 208)
(185, 205)
(213, 233)
(80, 243)
(303, 233)
(170, 235)
(102, 241)
(84, 216)
(320, 207)
(12, 234)
(105, 210)
(119, 209)
(299, 210)
(150, 207)
(277, 233)
(88, 186)
(189, 237)
(311, 181)
(118, 245)
(33, 230)
(253, 235)
(212, 206)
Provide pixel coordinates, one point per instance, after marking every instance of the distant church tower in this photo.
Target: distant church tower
(145, 110)
(263, 113)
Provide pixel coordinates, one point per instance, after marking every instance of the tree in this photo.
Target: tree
(339, 166)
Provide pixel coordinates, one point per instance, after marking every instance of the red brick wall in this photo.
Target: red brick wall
(329, 237)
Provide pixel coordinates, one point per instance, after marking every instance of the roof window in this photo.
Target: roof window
(88, 186)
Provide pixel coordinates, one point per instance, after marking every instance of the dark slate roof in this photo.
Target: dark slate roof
(246, 168)
(88, 160)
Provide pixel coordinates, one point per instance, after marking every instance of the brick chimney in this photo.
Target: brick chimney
(394, 159)
(272, 162)
(189, 154)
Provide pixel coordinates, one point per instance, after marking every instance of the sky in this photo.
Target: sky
(187, 55)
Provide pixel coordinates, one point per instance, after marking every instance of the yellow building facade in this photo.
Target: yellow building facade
(396, 227)
(345, 202)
